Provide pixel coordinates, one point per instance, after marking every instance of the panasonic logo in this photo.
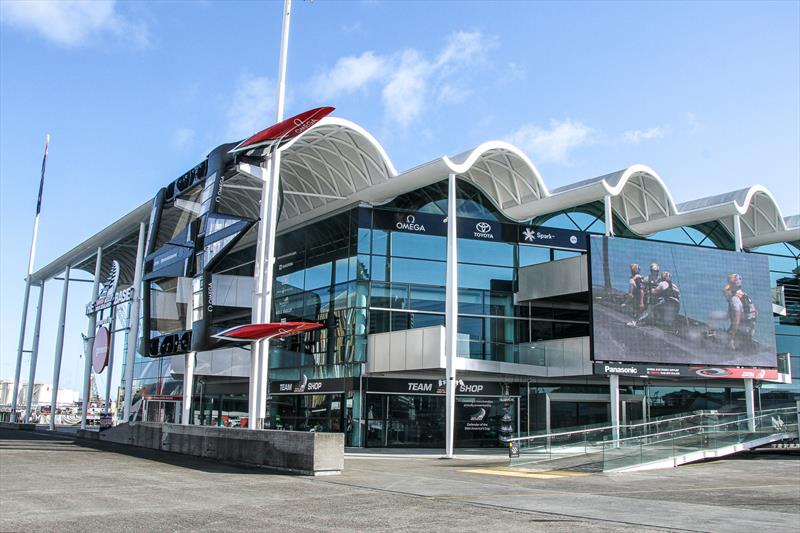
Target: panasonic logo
(621, 369)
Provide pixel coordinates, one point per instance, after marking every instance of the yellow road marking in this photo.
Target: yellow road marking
(551, 474)
(543, 493)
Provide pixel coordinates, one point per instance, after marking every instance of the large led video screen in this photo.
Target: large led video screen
(670, 303)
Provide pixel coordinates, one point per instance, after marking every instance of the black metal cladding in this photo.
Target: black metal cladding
(175, 253)
(175, 258)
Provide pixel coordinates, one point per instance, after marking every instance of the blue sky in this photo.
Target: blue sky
(133, 94)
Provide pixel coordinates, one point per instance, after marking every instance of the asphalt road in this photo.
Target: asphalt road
(50, 483)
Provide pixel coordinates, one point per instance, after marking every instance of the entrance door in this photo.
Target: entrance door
(574, 411)
(162, 411)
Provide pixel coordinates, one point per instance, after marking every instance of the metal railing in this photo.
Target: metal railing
(602, 445)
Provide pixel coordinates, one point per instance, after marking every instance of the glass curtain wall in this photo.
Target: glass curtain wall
(319, 279)
(407, 272)
(784, 265)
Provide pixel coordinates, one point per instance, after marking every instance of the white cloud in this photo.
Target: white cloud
(407, 79)
(404, 94)
(637, 136)
(253, 106)
(182, 137)
(350, 74)
(453, 94)
(552, 144)
(72, 22)
(464, 48)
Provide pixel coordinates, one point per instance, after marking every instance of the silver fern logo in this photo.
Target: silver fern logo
(110, 286)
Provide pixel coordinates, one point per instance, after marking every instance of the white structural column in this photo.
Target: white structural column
(613, 382)
(749, 388)
(258, 297)
(451, 314)
(37, 326)
(133, 322)
(749, 400)
(268, 270)
(62, 319)
(20, 349)
(265, 249)
(89, 340)
(737, 233)
(188, 388)
(608, 216)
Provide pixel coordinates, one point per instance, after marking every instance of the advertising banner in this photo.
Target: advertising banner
(657, 302)
(684, 371)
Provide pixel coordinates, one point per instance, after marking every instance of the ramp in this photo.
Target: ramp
(660, 443)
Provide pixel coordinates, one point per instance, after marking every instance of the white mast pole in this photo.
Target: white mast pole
(26, 298)
(259, 366)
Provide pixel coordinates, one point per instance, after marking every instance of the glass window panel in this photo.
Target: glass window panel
(541, 331)
(385, 295)
(482, 277)
(424, 320)
(362, 267)
(471, 327)
(380, 241)
(533, 255)
(782, 264)
(564, 254)
(318, 276)
(470, 302)
(379, 271)
(343, 270)
(485, 252)
(364, 237)
(402, 321)
(289, 283)
(418, 271)
(501, 304)
(500, 329)
(425, 298)
(419, 246)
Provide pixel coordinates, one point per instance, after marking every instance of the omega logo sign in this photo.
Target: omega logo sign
(410, 224)
(482, 230)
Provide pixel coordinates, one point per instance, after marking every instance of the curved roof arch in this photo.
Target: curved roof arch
(332, 161)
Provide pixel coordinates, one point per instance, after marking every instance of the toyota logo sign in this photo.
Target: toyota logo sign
(483, 227)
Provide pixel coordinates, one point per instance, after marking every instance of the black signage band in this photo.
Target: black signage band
(437, 387)
(311, 386)
(478, 229)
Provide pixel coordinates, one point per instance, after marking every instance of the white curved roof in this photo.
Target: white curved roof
(328, 165)
(336, 163)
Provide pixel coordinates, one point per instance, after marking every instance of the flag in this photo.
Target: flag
(41, 180)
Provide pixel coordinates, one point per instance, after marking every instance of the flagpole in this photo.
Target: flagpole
(26, 298)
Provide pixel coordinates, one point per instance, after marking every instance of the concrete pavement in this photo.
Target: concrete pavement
(51, 483)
